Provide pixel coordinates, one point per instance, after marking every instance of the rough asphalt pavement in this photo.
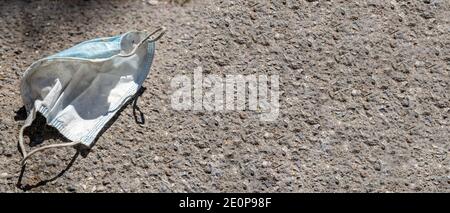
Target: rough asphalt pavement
(365, 103)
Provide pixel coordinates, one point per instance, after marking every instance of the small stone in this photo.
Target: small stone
(363, 174)
(265, 163)
(377, 166)
(3, 126)
(243, 115)
(300, 136)
(70, 189)
(427, 15)
(157, 159)
(356, 92)
(101, 189)
(267, 135)
(416, 187)
(405, 102)
(152, 2)
(4, 174)
(419, 64)
(207, 169)
(278, 36)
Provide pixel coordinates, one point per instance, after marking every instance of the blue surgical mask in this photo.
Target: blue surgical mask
(80, 89)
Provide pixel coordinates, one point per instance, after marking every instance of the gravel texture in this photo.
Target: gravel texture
(365, 103)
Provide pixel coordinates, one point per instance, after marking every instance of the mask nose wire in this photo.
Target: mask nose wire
(160, 30)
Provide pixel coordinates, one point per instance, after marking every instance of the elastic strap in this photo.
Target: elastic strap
(161, 31)
(25, 155)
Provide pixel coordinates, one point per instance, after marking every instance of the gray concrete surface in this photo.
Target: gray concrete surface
(364, 103)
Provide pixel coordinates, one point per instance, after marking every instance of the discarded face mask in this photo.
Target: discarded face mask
(80, 89)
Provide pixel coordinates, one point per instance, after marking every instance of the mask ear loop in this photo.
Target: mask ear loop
(25, 155)
(40, 149)
(161, 31)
